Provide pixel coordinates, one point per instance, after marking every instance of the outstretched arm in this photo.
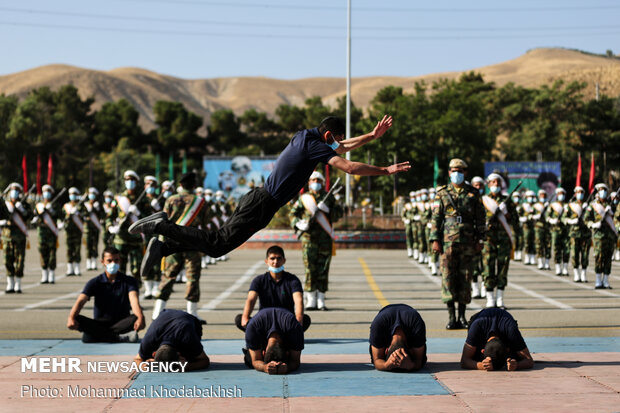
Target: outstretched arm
(359, 168)
(349, 144)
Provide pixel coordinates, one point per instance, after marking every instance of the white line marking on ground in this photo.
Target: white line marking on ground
(544, 298)
(211, 305)
(44, 302)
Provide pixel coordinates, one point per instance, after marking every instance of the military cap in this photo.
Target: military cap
(47, 188)
(107, 192)
(131, 174)
(15, 185)
(476, 180)
(166, 184)
(188, 178)
(317, 175)
(579, 189)
(458, 163)
(93, 190)
(600, 186)
(560, 191)
(150, 178)
(73, 190)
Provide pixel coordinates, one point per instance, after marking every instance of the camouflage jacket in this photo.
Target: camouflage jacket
(578, 229)
(42, 215)
(11, 231)
(315, 231)
(119, 217)
(538, 216)
(409, 211)
(93, 212)
(495, 229)
(556, 211)
(73, 220)
(592, 216)
(186, 209)
(458, 215)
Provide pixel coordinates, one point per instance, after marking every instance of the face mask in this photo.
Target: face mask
(432, 196)
(14, 193)
(530, 199)
(167, 194)
(424, 197)
(150, 190)
(561, 197)
(615, 201)
(108, 200)
(337, 197)
(47, 195)
(315, 186)
(208, 198)
(602, 194)
(481, 190)
(130, 184)
(515, 200)
(73, 197)
(112, 268)
(219, 198)
(334, 145)
(494, 189)
(276, 270)
(457, 177)
(92, 197)
(411, 199)
(579, 196)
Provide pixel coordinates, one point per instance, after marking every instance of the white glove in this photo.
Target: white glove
(407, 221)
(536, 217)
(522, 220)
(323, 207)
(416, 217)
(49, 208)
(607, 209)
(3, 222)
(503, 208)
(595, 225)
(61, 225)
(34, 220)
(553, 221)
(72, 210)
(114, 229)
(133, 210)
(571, 221)
(155, 205)
(429, 226)
(302, 225)
(20, 207)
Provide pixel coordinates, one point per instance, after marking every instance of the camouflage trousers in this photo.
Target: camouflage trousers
(517, 234)
(131, 254)
(74, 246)
(415, 234)
(47, 252)
(543, 242)
(580, 251)
(560, 246)
(432, 256)
(422, 244)
(409, 236)
(496, 259)
(317, 258)
(457, 265)
(529, 240)
(478, 268)
(92, 243)
(107, 238)
(14, 257)
(603, 252)
(173, 265)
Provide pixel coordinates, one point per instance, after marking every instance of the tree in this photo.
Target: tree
(116, 120)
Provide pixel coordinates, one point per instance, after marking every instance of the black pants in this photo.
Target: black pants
(306, 322)
(104, 330)
(255, 210)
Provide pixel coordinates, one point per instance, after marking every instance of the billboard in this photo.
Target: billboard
(236, 175)
(535, 175)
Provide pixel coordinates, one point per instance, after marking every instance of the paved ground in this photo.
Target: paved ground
(572, 329)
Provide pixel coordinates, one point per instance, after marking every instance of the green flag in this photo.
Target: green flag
(157, 167)
(184, 162)
(435, 171)
(171, 167)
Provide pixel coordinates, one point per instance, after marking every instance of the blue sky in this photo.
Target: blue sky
(292, 39)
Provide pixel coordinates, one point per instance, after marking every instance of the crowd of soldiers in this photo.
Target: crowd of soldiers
(87, 218)
(478, 228)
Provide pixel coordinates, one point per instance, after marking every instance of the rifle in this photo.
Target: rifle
(509, 197)
(57, 197)
(23, 198)
(7, 189)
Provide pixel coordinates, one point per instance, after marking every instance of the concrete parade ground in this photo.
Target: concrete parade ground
(572, 330)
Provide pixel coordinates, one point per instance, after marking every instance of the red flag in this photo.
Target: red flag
(25, 172)
(591, 183)
(39, 174)
(50, 165)
(578, 181)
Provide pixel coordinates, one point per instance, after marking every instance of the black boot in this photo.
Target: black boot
(462, 321)
(452, 324)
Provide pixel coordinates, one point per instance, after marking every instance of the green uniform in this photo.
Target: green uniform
(407, 217)
(316, 243)
(604, 237)
(559, 232)
(498, 244)
(14, 237)
(107, 236)
(457, 221)
(47, 234)
(517, 230)
(580, 235)
(72, 215)
(93, 216)
(189, 210)
(526, 212)
(541, 232)
(421, 220)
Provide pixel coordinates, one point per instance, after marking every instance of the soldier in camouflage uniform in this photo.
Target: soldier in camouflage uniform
(73, 224)
(559, 232)
(615, 199)
(423, 219)
(517, 229)
(407, 217)
(526, 213)
(47, 234)
(433, 260)
(580, 235)
(500, 216)
(153, 205)
(186, 209)
(14, 225)
(599, 218)
(124, 213)
(108, 199)
(316, 243)
(541, 231)
(458, 233)
(478, 291)
(93, 217)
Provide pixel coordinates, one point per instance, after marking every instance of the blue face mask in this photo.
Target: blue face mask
(481, 190)
(530, 199)
(167, 194)
(14, 194)
(579, 196)
(47, 195)
(108, 200)
(424, 197)
(315, 186)
(150, 190)
(561, 197)
(276, 270)
(602, 194)
(457, 177)
(494, 189)
(208, 198)
(92, 197)
(335, 144)
(130, 184)
(432, 195)
(74, 197)
(112, 268)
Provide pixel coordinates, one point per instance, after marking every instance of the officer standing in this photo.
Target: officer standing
(541, 231)
(478, 291)
(185, 209)
(93, 215)
(458, 233)
(15, 237)
(407, 217)
(434, 256)
(517, 229)
(559, 233)
(423, 219)
(314, 216)
(599, 217)
(73, 224)
(47, 233)
(108, 199)
(580, 235)
(526, 213)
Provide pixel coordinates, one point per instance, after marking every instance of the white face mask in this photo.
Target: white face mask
(494, 189)
(602, 194)
(130, 184)
(561, 197)
(315, 186)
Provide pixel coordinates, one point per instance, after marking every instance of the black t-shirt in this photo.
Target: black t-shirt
(390, 318)
(276, 294)
(177, 329)
(494, 322)
(295, 165)
(111, 298)
(270, 320)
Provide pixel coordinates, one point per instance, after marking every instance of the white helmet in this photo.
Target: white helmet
(317, 175)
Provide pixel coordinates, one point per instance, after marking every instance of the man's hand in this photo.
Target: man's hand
(503, 208)
(72, 323)
(271, 367)
(139, 324)
(382, 126)
(323, 207)
(398, 167)
(511, 364)
(155, 205)
(133, 210)
(61, 225)
(487, 364)
(49, 208)
(437, 247)
(553, 221)
(302, 225)
(244, 321)
(595, 225)
(114, 229)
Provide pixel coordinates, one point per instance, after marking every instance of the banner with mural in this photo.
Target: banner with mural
(535, 175)
(236, 175)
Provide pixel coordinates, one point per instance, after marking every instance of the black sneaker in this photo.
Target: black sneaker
(147, 225)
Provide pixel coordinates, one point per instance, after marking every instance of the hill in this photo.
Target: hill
(203, 96)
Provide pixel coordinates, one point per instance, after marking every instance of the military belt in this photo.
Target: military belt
(458, 219)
